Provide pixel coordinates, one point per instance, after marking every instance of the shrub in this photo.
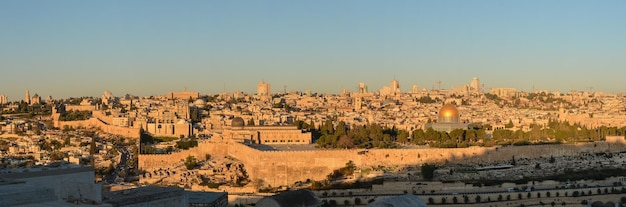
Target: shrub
(190, 162)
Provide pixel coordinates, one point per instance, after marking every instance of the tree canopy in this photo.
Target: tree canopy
(340, 135)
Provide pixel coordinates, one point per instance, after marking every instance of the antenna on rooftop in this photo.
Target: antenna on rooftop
(439, 83)
(285, 88)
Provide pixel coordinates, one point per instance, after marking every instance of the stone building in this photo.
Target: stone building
(184, 95)
(263, 89)
(3, 99)
(121, 120)
(179, 128)
(503, 92)
(108, 98)
(392, 90)
(170, 120)
(475, 86)
(266, 134)
(362, 88)
(49, 100)
(35, 99)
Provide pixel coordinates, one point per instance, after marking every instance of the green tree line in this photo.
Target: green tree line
(75, 115)
(329, 135)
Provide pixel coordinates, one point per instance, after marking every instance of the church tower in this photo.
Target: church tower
(27, 97)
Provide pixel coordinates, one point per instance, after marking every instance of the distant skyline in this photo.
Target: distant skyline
(82, 48)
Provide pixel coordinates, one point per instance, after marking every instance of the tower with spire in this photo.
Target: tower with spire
(27, 97)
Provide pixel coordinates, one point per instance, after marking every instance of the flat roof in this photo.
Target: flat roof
(204, 197)
(140, 194)
(64, 204)
(46, 171)
(497, 167)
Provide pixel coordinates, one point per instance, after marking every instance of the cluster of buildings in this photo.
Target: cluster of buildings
(22, 144)
(35, 99)
(187, 114)
(266, 118)
(8, 106)
(160, 117)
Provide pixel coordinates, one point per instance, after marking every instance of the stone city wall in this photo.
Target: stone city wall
(153, 161)
(94, 122)
(100, 115)
(286, 167)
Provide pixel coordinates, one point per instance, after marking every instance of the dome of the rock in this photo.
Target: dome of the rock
(448, 114)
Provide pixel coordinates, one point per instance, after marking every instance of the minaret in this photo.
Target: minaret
(27, 97)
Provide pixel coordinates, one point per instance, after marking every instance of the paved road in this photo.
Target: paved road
(121, 166)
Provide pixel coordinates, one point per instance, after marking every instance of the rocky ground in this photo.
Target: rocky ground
(210, 173)
(523, 168)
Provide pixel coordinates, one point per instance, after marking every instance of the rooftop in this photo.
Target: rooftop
(44, 171)
(204, 197)
(140, 194)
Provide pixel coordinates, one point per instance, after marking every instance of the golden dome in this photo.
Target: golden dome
(448, 110)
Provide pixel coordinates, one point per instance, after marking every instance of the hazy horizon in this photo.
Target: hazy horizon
(82, 48)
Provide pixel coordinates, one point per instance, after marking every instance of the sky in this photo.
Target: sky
(82, 48)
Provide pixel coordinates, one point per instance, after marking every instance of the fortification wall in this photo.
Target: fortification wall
(287, 167)
(94, 122)
(100, 115)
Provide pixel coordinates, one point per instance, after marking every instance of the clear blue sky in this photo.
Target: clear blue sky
(81, 48)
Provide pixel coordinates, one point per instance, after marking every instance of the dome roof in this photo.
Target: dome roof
(199, 102)
(448, 110)
(302, 197)
(237, 122)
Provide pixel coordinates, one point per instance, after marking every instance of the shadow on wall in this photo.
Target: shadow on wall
(284, 168)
